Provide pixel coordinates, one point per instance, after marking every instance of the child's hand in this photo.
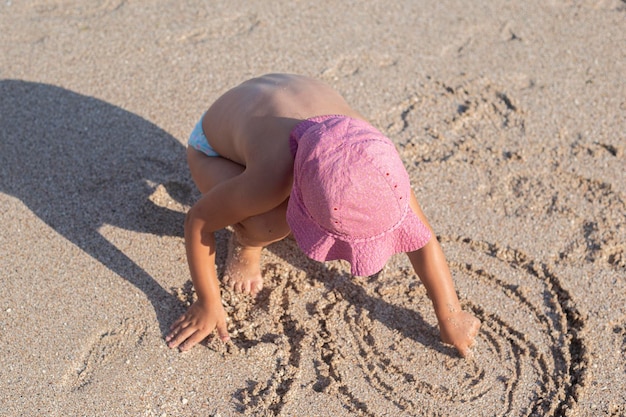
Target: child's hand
(196, 324)
(460, 330)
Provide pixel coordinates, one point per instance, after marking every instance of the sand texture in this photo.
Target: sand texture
(509, 115)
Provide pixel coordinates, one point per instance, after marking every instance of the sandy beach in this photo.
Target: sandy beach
(510, 117)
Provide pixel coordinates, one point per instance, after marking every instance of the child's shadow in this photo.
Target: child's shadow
(405, 320)
(79, 163)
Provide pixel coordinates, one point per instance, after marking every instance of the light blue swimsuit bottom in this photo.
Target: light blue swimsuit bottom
(199, 142)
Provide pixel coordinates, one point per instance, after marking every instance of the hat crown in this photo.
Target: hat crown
(351, 180)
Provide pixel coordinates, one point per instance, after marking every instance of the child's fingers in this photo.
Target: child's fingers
(178, 321)
(181, 336)
(193, 340)
(472, 341)
(177, 327)
(463, 350)
(171, 334)
(222, 332)
(468, 353)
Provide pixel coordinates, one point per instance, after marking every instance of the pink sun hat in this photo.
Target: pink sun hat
(350, 195)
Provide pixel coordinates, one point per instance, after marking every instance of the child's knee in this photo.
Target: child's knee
(263, 229)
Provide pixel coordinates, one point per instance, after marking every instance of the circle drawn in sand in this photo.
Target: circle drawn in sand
(372, 344)
(530, 358)
(531, 326)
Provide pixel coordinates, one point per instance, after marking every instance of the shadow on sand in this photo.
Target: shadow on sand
(79, 163)
(405, 320)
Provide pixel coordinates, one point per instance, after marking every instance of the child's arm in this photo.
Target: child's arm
(227, 203)
(207, 313)
(457, 327)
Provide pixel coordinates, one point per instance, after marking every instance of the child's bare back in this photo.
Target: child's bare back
(241, 157)
(255, 118)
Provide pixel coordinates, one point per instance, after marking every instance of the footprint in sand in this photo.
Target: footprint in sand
(223, 28)
(105, 348)
(347, 65)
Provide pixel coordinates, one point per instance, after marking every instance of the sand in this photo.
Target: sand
(509, 115)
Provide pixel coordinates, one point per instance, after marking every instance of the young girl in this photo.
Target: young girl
(285, 154)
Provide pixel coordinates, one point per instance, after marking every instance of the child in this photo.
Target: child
(285, 154)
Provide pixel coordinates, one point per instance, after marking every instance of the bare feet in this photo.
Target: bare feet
(243, 268)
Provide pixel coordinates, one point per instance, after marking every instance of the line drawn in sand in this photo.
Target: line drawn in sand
(77, 8)
(372, 343)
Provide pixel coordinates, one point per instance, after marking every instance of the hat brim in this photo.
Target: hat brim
(366, 256)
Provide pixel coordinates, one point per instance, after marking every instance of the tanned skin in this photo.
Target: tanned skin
(248, 186)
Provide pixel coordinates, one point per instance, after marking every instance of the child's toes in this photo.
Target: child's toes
(229, 282)
(256, 287)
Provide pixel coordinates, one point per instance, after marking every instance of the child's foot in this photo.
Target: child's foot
(243, 268)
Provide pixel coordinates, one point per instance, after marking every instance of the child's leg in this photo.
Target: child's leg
(243, 270)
